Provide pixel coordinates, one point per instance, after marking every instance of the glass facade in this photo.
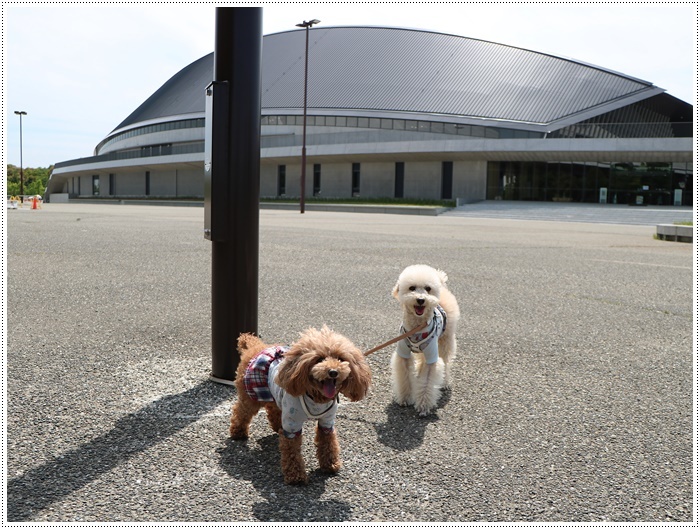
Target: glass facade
(150, 129)
(661, 116)
(663, 184)
(402, 124)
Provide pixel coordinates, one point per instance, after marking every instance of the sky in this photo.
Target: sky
(79, 70)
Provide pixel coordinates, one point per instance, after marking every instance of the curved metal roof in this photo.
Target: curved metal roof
(411, 71)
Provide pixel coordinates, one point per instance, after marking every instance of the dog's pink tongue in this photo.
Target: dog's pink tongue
(329, 389)
(419, 310)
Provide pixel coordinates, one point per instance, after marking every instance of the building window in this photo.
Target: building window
(355, 179)
(398, 180)
(446, 192)
(148, 183)
(281, 180)
(317, 179)
(95, 184)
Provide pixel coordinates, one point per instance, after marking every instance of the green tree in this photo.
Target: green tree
(35, 179)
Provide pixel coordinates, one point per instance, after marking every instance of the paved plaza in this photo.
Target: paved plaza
(575, 212)
(572, 396)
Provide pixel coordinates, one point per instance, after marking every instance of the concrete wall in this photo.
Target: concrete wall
(469, 181)
(336, 180)
(376, 179)
(190, 182)
(268, 180)
(421, 180)
(163, 183)
(130, 184)
(185, 182)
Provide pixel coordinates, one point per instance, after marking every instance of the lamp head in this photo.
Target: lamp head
(308, 24)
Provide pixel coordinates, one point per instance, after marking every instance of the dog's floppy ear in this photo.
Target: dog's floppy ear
(395, 291)
(295, 370)
(360, 378)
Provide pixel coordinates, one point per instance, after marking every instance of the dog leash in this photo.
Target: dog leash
(394, 340)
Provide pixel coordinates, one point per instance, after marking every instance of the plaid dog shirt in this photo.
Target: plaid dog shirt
(255, 379)
(260, 385)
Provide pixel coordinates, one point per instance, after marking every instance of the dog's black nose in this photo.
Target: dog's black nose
(420, 301)
(332, 373)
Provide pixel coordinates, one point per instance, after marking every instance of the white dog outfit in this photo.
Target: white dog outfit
(426, 340)
(260, 385)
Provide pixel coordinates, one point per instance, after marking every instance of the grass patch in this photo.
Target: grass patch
(295, 200)
(684, 223)
(382, 201)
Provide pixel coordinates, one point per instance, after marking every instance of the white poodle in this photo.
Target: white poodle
(420, 363)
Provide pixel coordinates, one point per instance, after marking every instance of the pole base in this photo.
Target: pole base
(220, 380)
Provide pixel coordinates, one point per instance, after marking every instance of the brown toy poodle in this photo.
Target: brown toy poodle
(298, 383)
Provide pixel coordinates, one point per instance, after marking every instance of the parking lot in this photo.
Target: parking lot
(572, 397)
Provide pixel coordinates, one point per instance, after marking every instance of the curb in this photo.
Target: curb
(674, 232)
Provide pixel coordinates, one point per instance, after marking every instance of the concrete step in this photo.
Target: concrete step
(674, 232)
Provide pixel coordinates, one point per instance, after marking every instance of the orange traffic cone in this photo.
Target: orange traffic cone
(34, 203)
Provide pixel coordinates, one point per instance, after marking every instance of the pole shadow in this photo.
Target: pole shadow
(42, 486)
(258, 462)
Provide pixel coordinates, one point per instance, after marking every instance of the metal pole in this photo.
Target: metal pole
(303, 144)
(306, 25)
(21, 113)
(237, 61)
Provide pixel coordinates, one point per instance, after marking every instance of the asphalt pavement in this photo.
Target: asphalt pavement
(572, 397)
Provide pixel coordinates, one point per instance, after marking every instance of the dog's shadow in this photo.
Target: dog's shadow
(258, 462)
(405, 429)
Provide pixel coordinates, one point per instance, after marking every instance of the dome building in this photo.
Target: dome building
(414, 114)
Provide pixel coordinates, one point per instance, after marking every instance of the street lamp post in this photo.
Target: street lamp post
(306, 25)
(21, 113)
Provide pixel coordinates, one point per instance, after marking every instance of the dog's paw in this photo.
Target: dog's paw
(332, 467)
(424, 405)
(296, 479)
(404, 400)
(239, 434)
(423, 411)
